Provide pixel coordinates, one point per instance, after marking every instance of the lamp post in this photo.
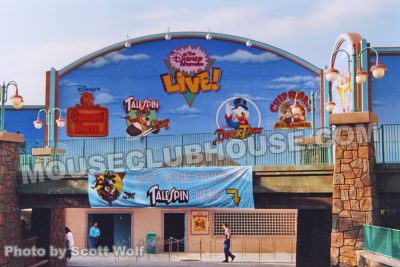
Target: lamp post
(49, 120)
(358, 76)
(17, 101)
(329, 106)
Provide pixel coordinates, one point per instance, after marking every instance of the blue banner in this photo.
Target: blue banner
(200, 187)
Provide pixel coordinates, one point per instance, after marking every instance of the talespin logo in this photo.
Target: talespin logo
(167, 196)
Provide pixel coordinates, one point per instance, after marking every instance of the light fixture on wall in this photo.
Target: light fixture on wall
(16, 100)
(209, 35)
(249, 43)
(127, 43)
(48, 118)
(331, 74)
(168, 35)
(378, 70)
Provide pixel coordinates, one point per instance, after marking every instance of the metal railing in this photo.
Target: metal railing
(387, 143)
(384, 241)
(262, 249)
(274, 147)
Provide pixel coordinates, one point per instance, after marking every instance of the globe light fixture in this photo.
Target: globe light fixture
(331, 74)
(16, 100)
(127, 43)
(38, 124)
(168, 35)
(378, 70)
(330, 106)
(209, 35)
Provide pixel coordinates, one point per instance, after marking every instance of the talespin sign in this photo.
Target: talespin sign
(200, 187)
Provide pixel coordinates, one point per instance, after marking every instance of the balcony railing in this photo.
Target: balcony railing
(275, 147)
(384, 241)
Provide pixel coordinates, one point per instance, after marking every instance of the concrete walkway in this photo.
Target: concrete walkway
(189, 259)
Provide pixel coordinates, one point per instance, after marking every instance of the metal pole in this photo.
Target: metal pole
(274, 248)
(210, 249)
(313, 112)
(383, 143)
(354, 83)
(200, 249)
(3, 101)
(48, 120)
(242, 246)
(169, 249)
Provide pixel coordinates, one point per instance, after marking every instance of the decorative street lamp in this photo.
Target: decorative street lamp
(16, 100)
(359, 77)
(378, 70)
(49, 119)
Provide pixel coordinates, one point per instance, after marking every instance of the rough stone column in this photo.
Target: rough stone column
(10, 215)
(57, 234)
(354, 198)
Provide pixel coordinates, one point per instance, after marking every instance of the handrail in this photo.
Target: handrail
(180, 150)
(381, 240)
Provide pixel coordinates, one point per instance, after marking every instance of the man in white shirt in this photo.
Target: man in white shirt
(227, 243)
(70, 242)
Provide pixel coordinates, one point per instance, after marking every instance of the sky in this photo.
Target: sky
(38, 35)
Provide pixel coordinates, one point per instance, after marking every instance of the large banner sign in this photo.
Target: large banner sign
(186, 86)
(202, 187)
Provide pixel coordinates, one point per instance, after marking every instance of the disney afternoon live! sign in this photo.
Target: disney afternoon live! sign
(201, 187)
(185, 86)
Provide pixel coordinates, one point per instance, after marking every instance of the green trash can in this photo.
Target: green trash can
(151, 241)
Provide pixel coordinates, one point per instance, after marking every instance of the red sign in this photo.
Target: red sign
(87, 119)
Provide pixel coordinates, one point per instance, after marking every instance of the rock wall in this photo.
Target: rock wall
(354, 197)
(10, 214)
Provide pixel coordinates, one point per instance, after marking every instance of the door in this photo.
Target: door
(122, 230)
(115, 229)
(174, 226)
(313, 238)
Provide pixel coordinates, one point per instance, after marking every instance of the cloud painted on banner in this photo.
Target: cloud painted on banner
(377, 103)
(114, 57)
(184, 110)
(243, 56)
(294, 82)
(191, 116)
(251, 97)
(67, 83)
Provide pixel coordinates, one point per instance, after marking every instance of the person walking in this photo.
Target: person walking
(227, 243)
(70, 242)
(94, 234)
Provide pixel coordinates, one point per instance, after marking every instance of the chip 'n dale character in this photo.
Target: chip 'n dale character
(142, 124)
(87, 101)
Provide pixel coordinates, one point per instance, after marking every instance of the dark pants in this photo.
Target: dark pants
(92, 242)
(69, 254)
(227, 245)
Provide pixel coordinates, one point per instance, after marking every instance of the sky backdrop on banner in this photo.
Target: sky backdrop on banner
(38, 35)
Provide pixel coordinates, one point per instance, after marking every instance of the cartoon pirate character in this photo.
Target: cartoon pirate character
(237, 116)
(109, 185)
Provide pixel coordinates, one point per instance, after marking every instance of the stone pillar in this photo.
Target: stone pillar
(57, 234)
(354, 198)
(10, 215)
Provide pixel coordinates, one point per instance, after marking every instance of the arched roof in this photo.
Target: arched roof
(161, 36)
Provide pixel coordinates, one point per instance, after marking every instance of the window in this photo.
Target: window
(266, 223)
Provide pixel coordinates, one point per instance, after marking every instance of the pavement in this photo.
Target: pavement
(185, 259)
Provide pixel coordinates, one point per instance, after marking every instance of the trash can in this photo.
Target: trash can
(151, 241)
